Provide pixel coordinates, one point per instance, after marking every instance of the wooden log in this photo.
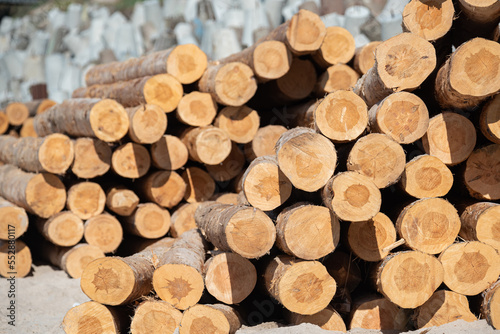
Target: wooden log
(336, 77)
(41, 194)
(226, 198)
(62, 229)
(199, 185)
(4, 122)
(162, 90)
(243, 230)
(307, 158)
(121, 280)
(327, 319)
(481, 177)
(28, 128)
(148, 221)
(17, 113)
(303, 287)
(468, 76)
(155, 316)
(307, 231)
(13, 220)
(53, 154)
(130, 160)
(402, 63)
(92, 158)
(218, 318)
(196, 109)
(402, 116)
(470, 267)
(39, 106)
(408, 279)
(121, 200)
(169, 153)
(480, 221)
(104, 119)
(422, 224)
(229, 277)
(426, 176)
(352, 196)
(91, 316)
(22, 263)
(264, 141)
(364, 58)
(165, 188)
(372, 240)
(240, 123)
(489, 306)
(264, 185)
(86, 199)
(182, 219)
(443, 307)
(103, 231)
(378, 313)
(489, 121)
(178, 278)
(71, 259)
(185, 62)
(147, 123)
(344, 270)
(338, 47)
(230, 84)
(208, 144)
(428, 19)
(230, 167)
(476, 19)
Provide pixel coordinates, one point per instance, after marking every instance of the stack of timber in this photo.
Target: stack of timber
(238, 187)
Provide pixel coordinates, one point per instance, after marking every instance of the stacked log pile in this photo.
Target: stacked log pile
(233, 198)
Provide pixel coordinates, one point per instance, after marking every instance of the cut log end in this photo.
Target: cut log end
(489, 122)
(169, 153)
(92, 158)
(23, 261)
(182, 219)
(230, 168)
(298, 82)
(209, 144)
(109, 120)
(165, 188)
(147, 123)
(121, 201)
(481, 221)
(327, 319)
(56, 153)
(429, 19)
(27, 129)
(150, 221)
(338, 47)
(14, 221)
(153, 316)
(17, 113)
(45, 195)
(86, 199)
(234, 84)
(379, 314)
(199, 185)
(264, 141)
(305, 32)
(186, 63)
(201, 319)
(4, 122)
(91, 317)
(131, 161)
(77, 258)
(164, 91)
(196, 109)
(240, 123)
(103, 231)
(62, 229)
(481, 173)
(336, 77)
(364, 59)
(271, 60)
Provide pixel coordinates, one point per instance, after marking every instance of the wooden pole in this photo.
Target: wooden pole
(169, 153)
(240, 123)
(480, 222)
(103, 231)
(130, 160)
(148, 221)
(148, 123)
(209, 144)
(165, 188)
(480, 173)
(218, 318)
(92, 158)
(155, 316)
(200, 186)
(62, 229)
(13, 220)
(196, 109)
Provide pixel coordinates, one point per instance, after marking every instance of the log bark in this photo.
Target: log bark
(91, 315)
(428, 19)
(364, 58)
(104, 119)
(240, 123)
(86, 199)
(148, 123)
(489, 122)
(264, 185)
(71, 259)
(306, 158)
(169, 153)
(22, 265)
(196, 109)
(200, 186)
(13, 220)
(36, 107)
(327, 319)
(303, 287)
(336, 77)
(489, 307)
(243, 230)
(92, 158)
(130, 160)
(63, 229)
(338, 47)
(378, 313)
(476, 19)
(185, 62)
(121, 200)
(103, 231)
(228, 169)
(155, 316)
(480, 176)
(264, 141)
(470, 267)
(480, 222)
(182, 219)
(148, 221)
(209, 145)
(165, 188)
(219, 318)
(41, 194)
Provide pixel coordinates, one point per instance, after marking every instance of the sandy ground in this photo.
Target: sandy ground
(44, 297)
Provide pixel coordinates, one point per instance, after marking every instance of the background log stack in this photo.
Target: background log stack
(351, 206)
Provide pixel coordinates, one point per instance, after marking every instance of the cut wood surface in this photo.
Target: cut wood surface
(226, 198)
(182, 219)
(62, 229)
(408, 279)
(13, 220)
(130, 160)
(429, 225)
(196, 109)
(490, 307)
(200, 186)
(264, 141)
(352, 197)
(149, 221)
(244, 230)
(92, 158)
(402, 63)
(17, 113)
(42, 194)
(185, 62)
(147, 123)
(450, 137)
(208, 144)
(307, 158)
(165, 188)
(240, 123)
(443, 307)
(307, 231)
(28, 128)
(336, 77)
(121, 200)
(91, 316)
(229, 277)
(53, 154)
(218, 318)
(231, 167)
(426, 176)
(481, 173)
(327, 319)
(338, 47)
(402, 116)
(378, 313)
(470, 267)
(371, 240)
(72, 259)
(302, 287)
(22, 264)
(169, 153)
(36, 107)
(489, 122)
(364, 58)
(4, 122)
(481, 221)
(469, 76)
(178, 278)
(104, 119)
(103, 231)
(155, 316)
(264, 184)
(428, 18)
(86, 199)
(230, 84)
